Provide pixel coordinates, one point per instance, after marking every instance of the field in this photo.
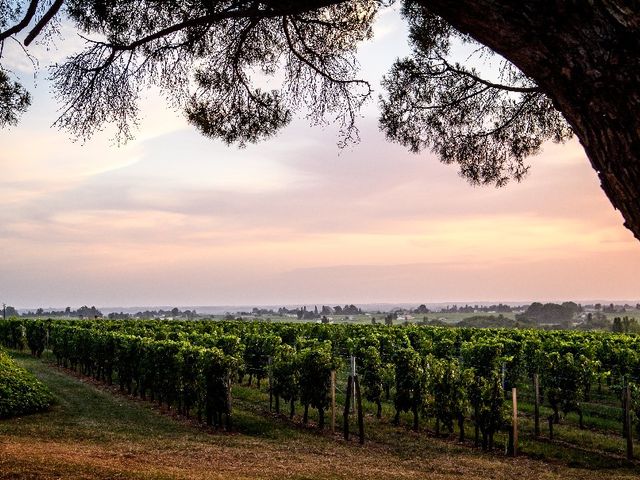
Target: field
(94, 432)
(212, 398)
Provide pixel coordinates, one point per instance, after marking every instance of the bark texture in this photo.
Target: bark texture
(585, 55)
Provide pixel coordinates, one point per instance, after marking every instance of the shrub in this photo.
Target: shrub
(20, 391)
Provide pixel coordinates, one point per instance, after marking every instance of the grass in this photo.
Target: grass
(573, 446)
(93, 432)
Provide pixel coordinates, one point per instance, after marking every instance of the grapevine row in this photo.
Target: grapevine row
(449, 375)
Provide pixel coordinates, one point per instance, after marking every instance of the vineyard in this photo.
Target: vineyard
(454, 383)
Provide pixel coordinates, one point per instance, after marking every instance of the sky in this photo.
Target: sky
(173, 218)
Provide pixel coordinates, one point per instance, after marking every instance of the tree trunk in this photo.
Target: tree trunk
(584, 57)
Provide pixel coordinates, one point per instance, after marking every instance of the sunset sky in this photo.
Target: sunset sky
(173, 218)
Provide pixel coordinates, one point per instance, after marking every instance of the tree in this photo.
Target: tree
(486, 127)
(549, 312)
(14, 99)
(569, 67)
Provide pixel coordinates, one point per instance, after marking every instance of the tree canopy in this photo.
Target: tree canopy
(563, 68)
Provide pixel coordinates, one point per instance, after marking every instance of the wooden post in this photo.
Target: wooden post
(229, 404)
(536, 412)
(356, 382)
(270, 384)
(353, 376)
(514, 398)
(347, 406)
(333, 401)
(627, 416)
(625, 428)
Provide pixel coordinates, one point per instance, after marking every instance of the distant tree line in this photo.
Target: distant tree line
(423, 309)
(611, 308)
(173, 313)
(303, 313)
(499, 308)
(83, 312)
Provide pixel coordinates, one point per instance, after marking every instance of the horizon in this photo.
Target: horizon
(362, 305)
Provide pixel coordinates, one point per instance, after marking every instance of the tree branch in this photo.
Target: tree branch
(453, 103)
(313, 67)
(499, 86)
(31, 11)
(46, 18)
(507, 123)
(216, 17)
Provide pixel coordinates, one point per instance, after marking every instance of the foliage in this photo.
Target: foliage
(410, 379)
(257, 350)
(14, 99)
(550, 312)
(285, 373)
(486, 127)
(490, 412)
(315, 365)
(13, 333)
(483, 355)
(372, 376)
(440, 372)
(563, 380)
(486, 392)
(447, 398)
(20, 392)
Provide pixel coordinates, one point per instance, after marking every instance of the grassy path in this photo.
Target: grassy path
(92, 433)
